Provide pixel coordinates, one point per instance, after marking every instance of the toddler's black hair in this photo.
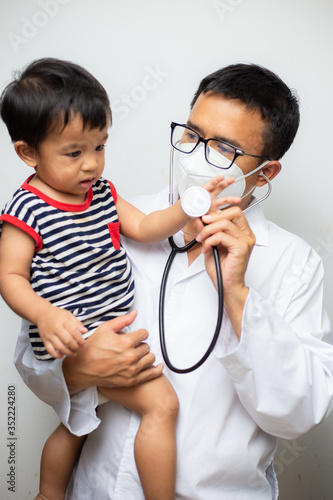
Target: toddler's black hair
(49, 93)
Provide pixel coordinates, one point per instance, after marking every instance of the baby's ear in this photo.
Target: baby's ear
(26, 153)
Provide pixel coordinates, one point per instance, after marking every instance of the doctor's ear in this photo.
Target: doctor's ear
(26, 153)
(271, 170)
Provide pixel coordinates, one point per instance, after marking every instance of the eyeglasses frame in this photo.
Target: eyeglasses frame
(238, 151)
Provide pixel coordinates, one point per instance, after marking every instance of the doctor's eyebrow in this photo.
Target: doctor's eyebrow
(195, 127)
(232, 142)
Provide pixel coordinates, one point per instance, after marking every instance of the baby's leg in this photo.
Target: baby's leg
(59, 455)
(155, 443)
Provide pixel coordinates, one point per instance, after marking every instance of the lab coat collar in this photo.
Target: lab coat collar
(180, 260)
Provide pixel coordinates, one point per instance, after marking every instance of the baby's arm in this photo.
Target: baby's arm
(60, 331)
(161, 224)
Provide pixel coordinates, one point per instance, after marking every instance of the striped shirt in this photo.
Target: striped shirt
(79, 264)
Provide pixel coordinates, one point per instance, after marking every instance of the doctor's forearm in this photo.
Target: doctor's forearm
(234, 303)
(285, 381)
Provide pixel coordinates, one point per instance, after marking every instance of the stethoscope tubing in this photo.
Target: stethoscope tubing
(174, 250)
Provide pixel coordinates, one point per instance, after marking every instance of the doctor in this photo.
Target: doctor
(271, 372)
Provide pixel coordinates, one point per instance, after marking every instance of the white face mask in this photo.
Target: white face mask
(193, 170)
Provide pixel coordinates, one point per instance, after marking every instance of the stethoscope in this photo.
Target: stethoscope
(174, 250)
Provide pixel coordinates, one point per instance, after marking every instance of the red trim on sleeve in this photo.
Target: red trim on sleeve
(24, 227)
(113, 192)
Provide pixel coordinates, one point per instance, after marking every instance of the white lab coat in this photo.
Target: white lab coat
(276, 382)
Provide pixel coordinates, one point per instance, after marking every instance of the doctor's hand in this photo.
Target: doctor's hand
(228, 229)
(112, 359)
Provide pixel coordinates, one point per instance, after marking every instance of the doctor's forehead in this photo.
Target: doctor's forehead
(215, 116)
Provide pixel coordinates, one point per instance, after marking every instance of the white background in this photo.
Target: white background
(150, 56)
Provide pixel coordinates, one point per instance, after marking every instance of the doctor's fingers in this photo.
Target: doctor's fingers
(136, 366)
(134, 349)
(146, 371)
(230, 219)
(232, 234)
(117, 324)
(138, 360)
(233, 213)
(239, 247)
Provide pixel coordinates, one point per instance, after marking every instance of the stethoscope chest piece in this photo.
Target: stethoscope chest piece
(195, 201)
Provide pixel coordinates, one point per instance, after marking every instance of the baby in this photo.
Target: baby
(60, 248)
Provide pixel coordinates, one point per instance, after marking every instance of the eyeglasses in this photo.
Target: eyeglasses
(220, 154)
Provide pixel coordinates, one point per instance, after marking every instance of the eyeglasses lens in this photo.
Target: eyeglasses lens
(184, 139)
(218, 153)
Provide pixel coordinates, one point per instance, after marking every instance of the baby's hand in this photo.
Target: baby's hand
(215, 187)
(61, 332)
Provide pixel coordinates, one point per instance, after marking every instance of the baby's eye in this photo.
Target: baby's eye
(74, 154)
(100, 148)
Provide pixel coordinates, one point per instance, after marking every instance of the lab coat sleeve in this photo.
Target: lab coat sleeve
(282, 369)
(47, 382)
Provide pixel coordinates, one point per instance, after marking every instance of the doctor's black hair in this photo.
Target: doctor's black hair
(46, 95)
(262, 90)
